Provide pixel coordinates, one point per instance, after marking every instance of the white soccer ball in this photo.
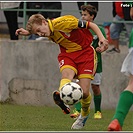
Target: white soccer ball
(71, 93)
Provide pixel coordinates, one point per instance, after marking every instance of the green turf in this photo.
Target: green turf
(31, 118)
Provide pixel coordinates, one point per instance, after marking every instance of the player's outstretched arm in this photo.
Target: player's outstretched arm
(103, 42)
(22, 31)
(96, 29)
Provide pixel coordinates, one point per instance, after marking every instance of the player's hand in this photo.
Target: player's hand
(103, 46)
(22, 31)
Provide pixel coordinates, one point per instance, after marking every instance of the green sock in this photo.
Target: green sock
(78, 106)
(132, 102)
(97, 102)
(123, 106)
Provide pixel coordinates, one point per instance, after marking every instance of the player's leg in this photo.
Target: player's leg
(85, 104)
(97, 96)
(86, 71)
(122, 109)
(97, 101)
(60, 103)
(76, 110)
(126, 97)
(68, 71)
(67, 76)
(77, 106)
(95, 83)
(86, 100)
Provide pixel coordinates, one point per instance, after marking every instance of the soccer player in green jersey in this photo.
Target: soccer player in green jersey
(126, 97)
(89, 13)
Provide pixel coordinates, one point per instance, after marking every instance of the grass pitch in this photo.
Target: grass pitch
(32, 118)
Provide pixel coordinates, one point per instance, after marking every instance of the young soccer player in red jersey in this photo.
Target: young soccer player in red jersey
(77, 56)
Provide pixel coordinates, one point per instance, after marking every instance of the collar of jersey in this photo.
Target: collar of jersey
(51, 26)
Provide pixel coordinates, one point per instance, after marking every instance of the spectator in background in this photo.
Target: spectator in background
(11, 17)
(120, 13)
(52, 6)
(42, 5)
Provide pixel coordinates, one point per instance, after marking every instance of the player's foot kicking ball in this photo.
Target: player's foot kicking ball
(60, 103)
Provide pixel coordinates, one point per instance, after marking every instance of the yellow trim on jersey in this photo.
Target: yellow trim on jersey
(90, 76)
(95, 61)
(87, 25)
(68, 66)
(50, 25)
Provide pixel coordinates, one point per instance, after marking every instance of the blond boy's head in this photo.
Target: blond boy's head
(34, 19)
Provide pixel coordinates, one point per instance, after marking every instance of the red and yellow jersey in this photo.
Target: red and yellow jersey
(67, 33)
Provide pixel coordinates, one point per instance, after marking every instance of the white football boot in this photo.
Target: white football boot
(80, 122)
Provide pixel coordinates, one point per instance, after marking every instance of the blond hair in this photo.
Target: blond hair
(34, 19)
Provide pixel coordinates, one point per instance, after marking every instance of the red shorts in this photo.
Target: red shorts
(83, 62)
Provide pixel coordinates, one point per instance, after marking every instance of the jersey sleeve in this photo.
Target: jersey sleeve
(83, 24)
